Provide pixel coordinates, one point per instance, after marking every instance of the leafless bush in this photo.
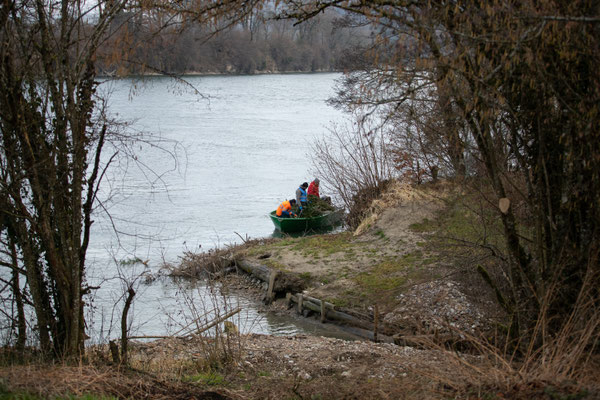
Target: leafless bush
(205, 264)
(361, 203)
(212, 320)
(353, 158)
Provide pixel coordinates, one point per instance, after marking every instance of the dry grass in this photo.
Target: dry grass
(58, 381)
(565, 365)
(401, 193)
(495, 375)
(433, 373)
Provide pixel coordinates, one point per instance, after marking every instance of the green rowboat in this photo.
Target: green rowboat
(321, 222)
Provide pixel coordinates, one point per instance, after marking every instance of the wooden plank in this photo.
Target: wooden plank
(299, 301)
(318, 302)
(150, 337)
(334, 314)
(217, 321)
(200, 330)
(376, 323)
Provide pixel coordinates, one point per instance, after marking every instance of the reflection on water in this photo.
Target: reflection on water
(180, 307)
(280, 325)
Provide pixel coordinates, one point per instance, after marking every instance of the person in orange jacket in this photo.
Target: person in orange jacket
(285, 209)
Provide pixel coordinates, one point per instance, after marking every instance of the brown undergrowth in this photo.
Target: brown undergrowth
(61, 381)
(308, 367)
(552, 372)
(213, 262)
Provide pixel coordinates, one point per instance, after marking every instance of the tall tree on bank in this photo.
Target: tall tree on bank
(520, 82)
(47, 135)
(51, 141)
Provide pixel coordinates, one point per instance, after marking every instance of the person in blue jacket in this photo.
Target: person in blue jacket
(302, 196)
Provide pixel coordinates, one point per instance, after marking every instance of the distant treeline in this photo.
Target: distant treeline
(255, 45)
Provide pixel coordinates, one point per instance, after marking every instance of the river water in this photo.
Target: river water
(211, 159)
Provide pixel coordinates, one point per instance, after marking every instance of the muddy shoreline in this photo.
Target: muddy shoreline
(255, 290)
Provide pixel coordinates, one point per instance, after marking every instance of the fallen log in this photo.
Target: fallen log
(215, 322)
(283, 282)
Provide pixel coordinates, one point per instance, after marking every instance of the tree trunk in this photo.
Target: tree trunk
(21, 323)
(128, 301)
(37, 287)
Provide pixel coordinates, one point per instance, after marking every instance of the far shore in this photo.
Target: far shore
(196, 73)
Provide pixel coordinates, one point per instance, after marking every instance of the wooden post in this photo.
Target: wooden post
(114, 351)
(323, 312)
(128, 302)
(272, 276)
(299, 303)
(376, 323)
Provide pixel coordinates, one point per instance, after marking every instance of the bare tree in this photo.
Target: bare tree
(13, 297)
(51, 141)
(516, 84)
(48, 141)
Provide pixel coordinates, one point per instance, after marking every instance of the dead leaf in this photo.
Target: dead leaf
(504, 204)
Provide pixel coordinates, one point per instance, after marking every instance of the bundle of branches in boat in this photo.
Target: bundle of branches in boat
(316, 207)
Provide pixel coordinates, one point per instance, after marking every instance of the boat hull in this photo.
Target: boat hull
(325, 221)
